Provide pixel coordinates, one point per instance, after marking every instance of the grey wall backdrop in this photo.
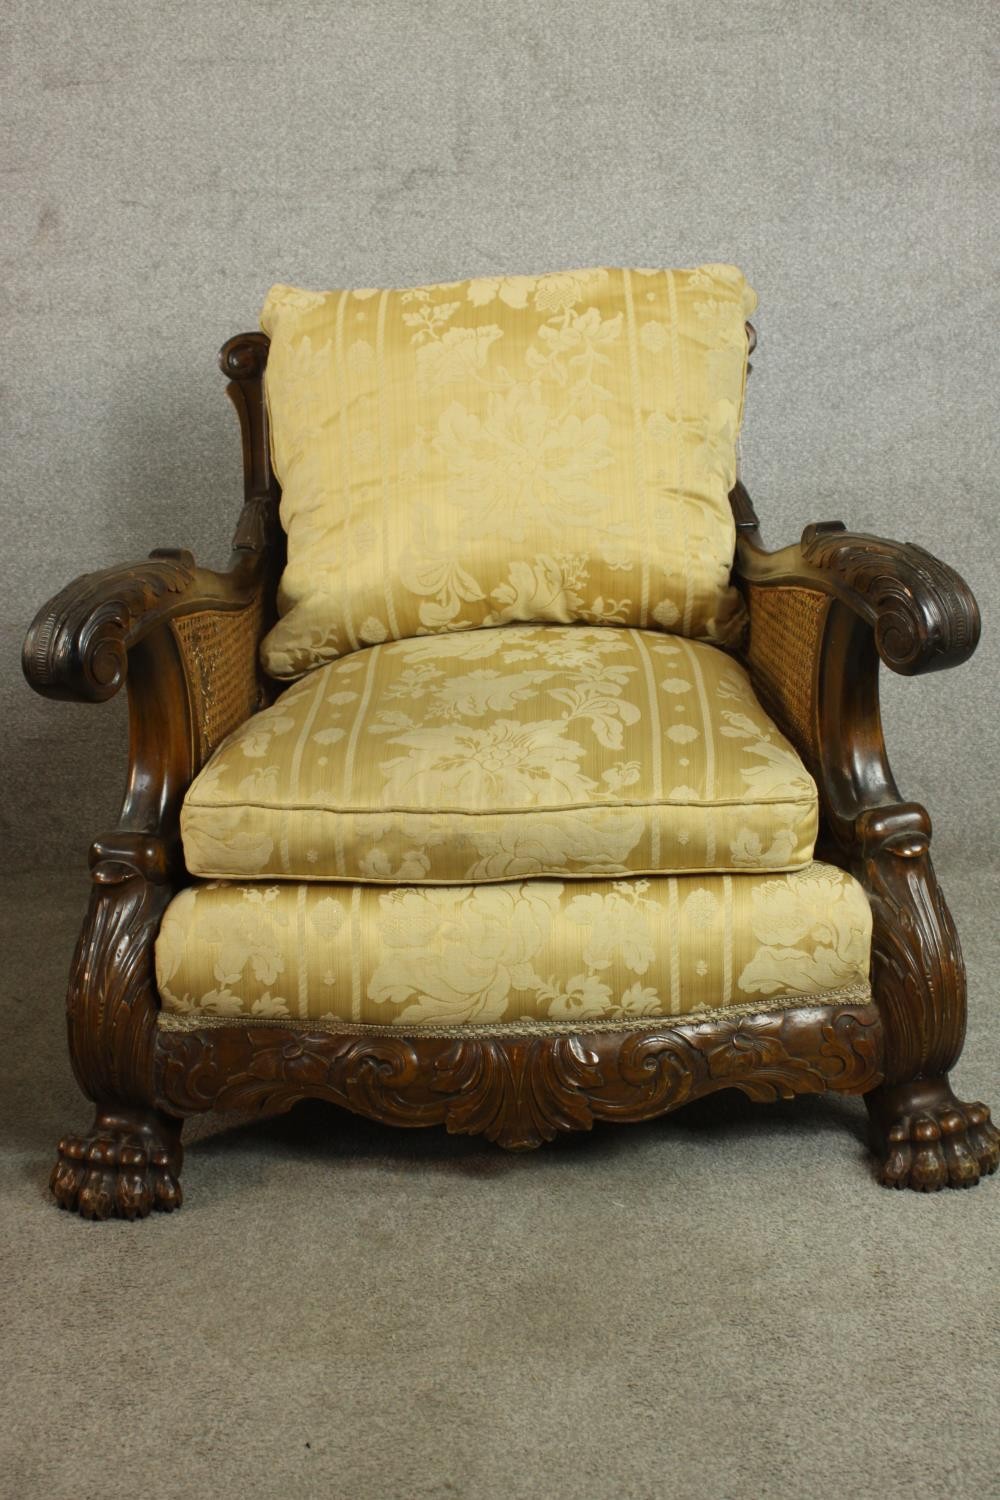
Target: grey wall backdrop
(168, 162)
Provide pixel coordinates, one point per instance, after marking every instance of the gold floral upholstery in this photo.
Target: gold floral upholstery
(519, 786)
(536, 448)
(541, 953)
(496, 754)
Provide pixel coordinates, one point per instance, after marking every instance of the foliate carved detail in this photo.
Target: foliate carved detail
(918, 973)
(926, 1138)
(129, 1161)
(257, 527)
(924, 615)
(521, 1091)
(112, 1001)
(77, 646)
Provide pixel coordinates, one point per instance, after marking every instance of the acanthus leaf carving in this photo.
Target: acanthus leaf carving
(917, 967)
(519, 1092)
(522, 1090)
(112, 1000)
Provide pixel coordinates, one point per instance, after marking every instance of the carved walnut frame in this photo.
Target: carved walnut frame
(185, 640)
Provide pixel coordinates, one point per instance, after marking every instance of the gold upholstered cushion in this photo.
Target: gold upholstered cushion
(497, 754)
(554, 447)
(539, 952)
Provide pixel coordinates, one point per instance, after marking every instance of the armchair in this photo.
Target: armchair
(185, 643)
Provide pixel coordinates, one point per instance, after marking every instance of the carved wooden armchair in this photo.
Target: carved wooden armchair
(460, 888)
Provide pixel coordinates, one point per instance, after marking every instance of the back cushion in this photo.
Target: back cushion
(538, 448)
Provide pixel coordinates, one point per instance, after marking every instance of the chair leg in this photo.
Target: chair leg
(128, 1163)
(924, 1136)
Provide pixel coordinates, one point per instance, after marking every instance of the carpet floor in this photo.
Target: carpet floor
(718, 1305)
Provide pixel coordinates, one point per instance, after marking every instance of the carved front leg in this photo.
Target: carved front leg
(129, 1162)
(926, 1138)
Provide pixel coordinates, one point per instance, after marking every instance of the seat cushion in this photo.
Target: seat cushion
(533, 448)
(490, 755)
(537, 953)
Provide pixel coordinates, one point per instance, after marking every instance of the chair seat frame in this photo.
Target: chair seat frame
(184, 641)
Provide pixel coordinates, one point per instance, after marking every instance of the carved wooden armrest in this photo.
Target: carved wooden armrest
(824, 611)
(184, 639)
(78, 644)
(822, 615)
(924, 615)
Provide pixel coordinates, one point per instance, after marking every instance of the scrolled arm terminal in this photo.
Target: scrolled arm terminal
(924, 615)
(77, 645)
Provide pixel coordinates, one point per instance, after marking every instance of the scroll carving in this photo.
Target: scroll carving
(244, 356)
(77, 646)
(924, 615)
(521, 1091)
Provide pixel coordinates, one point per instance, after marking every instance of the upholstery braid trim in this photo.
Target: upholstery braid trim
(856, 994)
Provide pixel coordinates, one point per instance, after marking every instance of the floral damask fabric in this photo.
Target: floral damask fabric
(540, 952)
(536, 448)
(493, 755)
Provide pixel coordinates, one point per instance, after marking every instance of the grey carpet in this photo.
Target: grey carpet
(720, 1304)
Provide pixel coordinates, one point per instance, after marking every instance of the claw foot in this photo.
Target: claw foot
(126, 1165)
(927, 1139)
